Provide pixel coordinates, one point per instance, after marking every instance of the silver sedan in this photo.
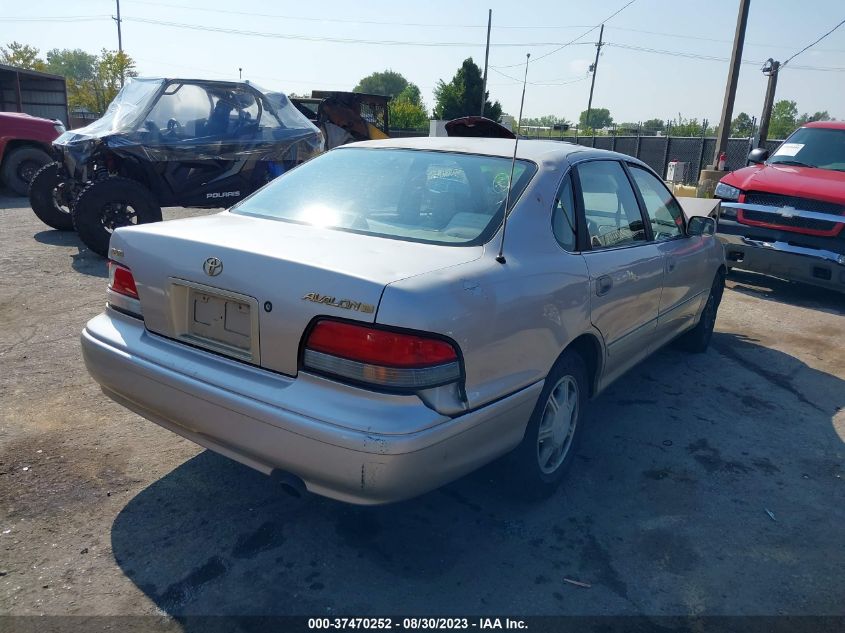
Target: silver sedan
(353, 329)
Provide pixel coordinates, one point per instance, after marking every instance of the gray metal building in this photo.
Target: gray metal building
(33, 92)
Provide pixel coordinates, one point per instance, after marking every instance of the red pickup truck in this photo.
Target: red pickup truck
(784, 215)
(25, 143)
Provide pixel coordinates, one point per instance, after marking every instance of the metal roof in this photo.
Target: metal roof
(27, 71)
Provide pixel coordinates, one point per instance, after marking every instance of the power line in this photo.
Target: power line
(813, 44)
(543, 82)
(685, 36)
(314, 38)
(341, 20)
(584, 34)
(713, 58)
(57, 18)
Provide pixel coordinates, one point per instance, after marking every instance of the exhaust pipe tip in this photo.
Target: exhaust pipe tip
(290, 483)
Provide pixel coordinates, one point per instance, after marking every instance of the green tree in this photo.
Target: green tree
(411, 94)
(654, 125)
(73, 64)
(462, 95)
(407, 110)
(92, 80)
(111, 68)
(784, 119)
(388, 83)
(742, 125)
(79, 69)
(824, 115)
(405, 115)
(548, 120)
(21, 56)
(599, 118)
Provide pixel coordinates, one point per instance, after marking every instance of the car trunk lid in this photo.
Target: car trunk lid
(266, 280)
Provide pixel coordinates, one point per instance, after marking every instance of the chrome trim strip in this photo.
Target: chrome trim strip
(784, 247)
(762, 208)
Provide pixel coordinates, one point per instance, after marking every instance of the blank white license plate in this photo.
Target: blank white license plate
(219, 319)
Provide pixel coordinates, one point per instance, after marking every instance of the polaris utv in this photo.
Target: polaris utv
(169, 142)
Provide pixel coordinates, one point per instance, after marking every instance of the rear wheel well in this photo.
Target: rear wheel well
(588, 348)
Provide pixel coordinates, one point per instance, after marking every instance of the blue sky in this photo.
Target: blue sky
(633, 84)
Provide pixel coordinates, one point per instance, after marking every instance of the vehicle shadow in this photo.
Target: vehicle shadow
(782, 291)
(83, 260)
(665, 511)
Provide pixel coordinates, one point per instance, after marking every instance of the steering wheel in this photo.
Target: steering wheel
(173, 127)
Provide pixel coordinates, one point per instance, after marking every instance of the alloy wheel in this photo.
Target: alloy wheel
(557, 425)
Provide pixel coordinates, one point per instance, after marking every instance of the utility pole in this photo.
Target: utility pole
(733, 80)
(594, 68)
(771, 69)
(486, 57)
(119, 37)
(119, 40)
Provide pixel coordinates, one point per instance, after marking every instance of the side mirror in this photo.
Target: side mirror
(758, 155)
(701, 225)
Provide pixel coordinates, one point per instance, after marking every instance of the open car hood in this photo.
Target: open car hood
(477, 126)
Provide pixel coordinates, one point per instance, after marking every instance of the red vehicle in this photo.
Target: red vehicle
(785, 214)
(25, 143)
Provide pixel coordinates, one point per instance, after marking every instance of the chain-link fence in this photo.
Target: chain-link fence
(658, 151)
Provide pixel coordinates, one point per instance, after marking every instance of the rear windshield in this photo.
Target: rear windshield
(415, 195)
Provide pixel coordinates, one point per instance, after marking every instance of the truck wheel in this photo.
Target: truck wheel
(20, 167)
(106, 205)
(551, 438)
(44, 198)
(697, 340)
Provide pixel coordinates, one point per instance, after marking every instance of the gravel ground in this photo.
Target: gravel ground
(710, 484)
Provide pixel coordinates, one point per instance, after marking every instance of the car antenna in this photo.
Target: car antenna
(501, 256)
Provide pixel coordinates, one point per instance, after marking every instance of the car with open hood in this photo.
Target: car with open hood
(393, 314)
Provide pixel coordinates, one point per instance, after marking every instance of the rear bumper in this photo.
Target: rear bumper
(818, 267)
(309, 426)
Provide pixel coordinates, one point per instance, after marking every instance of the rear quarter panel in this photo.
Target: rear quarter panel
(510, 320)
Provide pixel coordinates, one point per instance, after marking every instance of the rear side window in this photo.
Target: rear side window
(563, 216)
(664, 212)
(610, 206)
(436, 197)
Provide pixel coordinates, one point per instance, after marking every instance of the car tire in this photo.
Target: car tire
(106, 205)
(697, 340)
(20, 167)
(43, 198)
(551, 438)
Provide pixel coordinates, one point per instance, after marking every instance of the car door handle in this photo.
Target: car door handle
(603, 285)
(670, 265)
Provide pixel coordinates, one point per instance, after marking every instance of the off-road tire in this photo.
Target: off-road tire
(697, 340)
(42, 198)
(532, 481)
(93, 215)
(20, 166)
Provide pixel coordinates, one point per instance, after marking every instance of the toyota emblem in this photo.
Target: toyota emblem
(212, 267)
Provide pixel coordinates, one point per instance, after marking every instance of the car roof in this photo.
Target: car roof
(538, 151)
(830, 125)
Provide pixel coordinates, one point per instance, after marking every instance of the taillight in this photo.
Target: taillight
(377, 356)
(121, 280)
(122, 292)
